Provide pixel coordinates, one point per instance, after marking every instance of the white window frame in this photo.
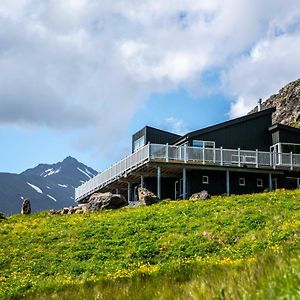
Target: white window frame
(259, 182)
(242, 181)
(205, 179)
(137, 144)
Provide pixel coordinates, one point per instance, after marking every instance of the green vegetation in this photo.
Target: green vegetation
(224, 248)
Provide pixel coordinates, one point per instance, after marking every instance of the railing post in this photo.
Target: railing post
(256, 152)
(221, 153)
(167, 152)
(185, 154)
(291, 160)
(149, 151)
(239, 156)
(203, 157)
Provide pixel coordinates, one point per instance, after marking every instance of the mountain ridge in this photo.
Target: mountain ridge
(48, 186)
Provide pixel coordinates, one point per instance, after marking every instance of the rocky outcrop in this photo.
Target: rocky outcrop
(26, 207)
(287, 103)
(203, 195)
(146, 197)
(2, 217)
(100, 201)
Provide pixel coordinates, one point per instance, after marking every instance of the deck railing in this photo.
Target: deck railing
(184, 154)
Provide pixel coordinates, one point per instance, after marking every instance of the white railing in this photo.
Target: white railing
(116, 171)
(184, 154)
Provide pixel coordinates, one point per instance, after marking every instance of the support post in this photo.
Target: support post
(227, 182)
(291, 160)
(270, 182)
(158, 182)
(239, 156)
(129, 191)
(142, 181)
(184, 194)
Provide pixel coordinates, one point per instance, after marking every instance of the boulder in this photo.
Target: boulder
(2, 217)
(100, 201)
(84, 207)
(203, 195)
(26, 207)
(146, 197)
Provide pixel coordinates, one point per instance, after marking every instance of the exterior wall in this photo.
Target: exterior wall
(155, 136)
(216, 182)
(251, 135)
(286, 136)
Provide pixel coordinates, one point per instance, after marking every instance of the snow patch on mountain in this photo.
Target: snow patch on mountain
(62, 185)
(35, 187)
(85, 173)
(50, 172)
(51, 197)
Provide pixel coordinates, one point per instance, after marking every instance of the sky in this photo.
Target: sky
(79, 77)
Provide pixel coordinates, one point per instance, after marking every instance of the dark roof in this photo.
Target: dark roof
(164, 131)
(225, 124)
(284, 127)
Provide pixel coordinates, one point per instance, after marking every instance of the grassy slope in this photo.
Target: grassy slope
(176, 240)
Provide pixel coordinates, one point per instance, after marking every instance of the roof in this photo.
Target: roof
(163, 131)
(284, 127)
(225, 124)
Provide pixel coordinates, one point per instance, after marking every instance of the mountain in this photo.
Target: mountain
(47, 186)
(287, 103)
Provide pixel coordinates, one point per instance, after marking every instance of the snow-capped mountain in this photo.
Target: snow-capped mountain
(47, 186)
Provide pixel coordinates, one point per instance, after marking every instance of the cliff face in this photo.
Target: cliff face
(287, 103)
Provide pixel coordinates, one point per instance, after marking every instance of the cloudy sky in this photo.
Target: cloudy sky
(78, 77)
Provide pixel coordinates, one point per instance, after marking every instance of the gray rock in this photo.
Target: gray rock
(100, 201)
(147, 197)
(203, 195)
(287, 103)
(26, 207)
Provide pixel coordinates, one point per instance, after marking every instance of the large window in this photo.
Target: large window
(138, 143)
(203, 144)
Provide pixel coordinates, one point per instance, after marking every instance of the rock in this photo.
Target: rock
(203, 195)
(84, 207)
(100, 201)
(146, 197)
(2, 217)
(26, 207)
(287, 105)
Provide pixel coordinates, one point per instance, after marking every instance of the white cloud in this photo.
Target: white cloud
(88, 64)
(175, 125)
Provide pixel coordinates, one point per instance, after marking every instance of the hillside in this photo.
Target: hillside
(287, 103)
(223, 248)
(48, 186)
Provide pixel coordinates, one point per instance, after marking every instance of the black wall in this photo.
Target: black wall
(251, 135)
(282, 135)
(155, 136)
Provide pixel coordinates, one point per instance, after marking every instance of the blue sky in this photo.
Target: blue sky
(78, 77)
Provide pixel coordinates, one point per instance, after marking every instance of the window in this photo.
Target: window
(205, 179)
(259, 182)
(242, 181)
(203, 144)
(138, 143)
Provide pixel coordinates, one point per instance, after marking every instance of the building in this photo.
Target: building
(244, 155)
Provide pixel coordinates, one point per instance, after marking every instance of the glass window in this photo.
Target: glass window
(242, 182)
(205, 179)
(138, 143)
(259, 182)
(203, 144)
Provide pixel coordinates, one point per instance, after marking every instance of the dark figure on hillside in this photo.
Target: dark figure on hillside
(26, 208)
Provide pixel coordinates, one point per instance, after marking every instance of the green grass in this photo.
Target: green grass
(225, 248)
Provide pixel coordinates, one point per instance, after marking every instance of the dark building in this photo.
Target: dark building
(243, 155)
